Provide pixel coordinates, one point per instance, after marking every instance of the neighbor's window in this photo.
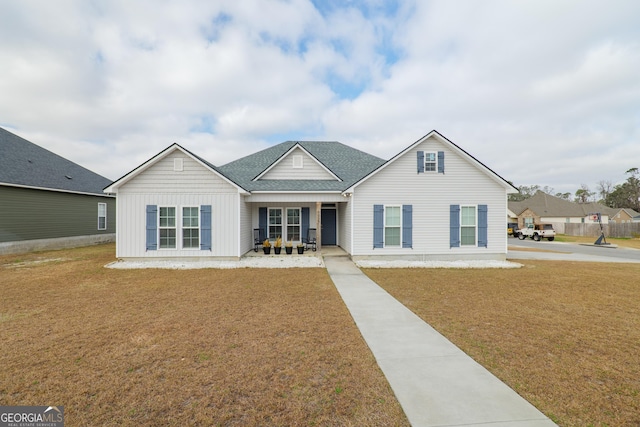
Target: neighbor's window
(275, 223)
(293, 224)
(430, 162)
(190, 228)
(167, 227)
(102, 216)
(392, 225)
(468, 225)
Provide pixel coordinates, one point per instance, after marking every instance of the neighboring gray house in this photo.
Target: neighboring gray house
(431, 201)
(47, 201)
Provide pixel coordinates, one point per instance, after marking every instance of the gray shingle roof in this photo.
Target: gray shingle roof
(27, 164)
(347, 163)
(544, 204)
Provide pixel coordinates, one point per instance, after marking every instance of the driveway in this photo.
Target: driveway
(569, 252)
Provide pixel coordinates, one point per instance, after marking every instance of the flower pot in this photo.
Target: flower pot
(277, 250)
(288, 250)
(300, 250)
(267, 250)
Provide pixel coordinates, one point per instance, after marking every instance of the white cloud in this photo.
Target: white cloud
(109, 84)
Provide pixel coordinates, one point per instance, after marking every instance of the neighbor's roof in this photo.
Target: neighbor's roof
(544, 204)
(25, 164)
(348, 164)
(629, 211)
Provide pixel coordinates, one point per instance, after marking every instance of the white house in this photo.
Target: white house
(433, 200)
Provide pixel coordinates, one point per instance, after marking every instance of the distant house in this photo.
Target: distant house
(545, 208)
(433, 200)
(47, 201)
(623, 215)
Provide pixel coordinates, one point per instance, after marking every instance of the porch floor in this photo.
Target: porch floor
(325, 251)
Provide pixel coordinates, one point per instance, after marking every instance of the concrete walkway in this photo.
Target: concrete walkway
(435, 382)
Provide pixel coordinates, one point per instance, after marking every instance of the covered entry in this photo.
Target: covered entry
(329, 227)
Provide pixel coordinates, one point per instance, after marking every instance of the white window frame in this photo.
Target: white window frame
(429, 162)
(269, 225)
(385, 226)
(286, 224)
(183, 228)
(298, 161)
(174, 228)
(475, 226)
(102, 207)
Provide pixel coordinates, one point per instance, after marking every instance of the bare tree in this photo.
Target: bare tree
(583, 194)
(605, 188)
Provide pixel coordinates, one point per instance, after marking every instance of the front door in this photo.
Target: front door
(328, 218)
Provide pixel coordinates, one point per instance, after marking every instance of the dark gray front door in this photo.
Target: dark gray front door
(328, 218)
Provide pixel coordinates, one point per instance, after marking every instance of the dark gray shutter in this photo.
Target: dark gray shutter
(262, 222)
(407, 226)
(420, 161)
(378, 226)
(482, 225)
(440, 161)
(305, 223)
(205, 227)
(152, 227)
(454, 226)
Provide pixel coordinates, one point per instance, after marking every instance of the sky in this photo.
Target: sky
(542, 92)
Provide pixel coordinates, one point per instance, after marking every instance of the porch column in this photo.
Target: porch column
(318, 225)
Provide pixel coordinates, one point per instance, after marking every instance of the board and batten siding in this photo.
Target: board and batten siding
(344, 225)
(310, 169)
(31, 214)
(194, 186)
(430, 195)
(246, 229)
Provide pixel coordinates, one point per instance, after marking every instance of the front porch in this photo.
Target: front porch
(325, 251)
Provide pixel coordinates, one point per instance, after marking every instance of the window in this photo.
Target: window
(102, 216)
(392, 225)
(167, 227)
(275, 223)
(468, 225)
(430, 162)
(190, 228)
(293, 224)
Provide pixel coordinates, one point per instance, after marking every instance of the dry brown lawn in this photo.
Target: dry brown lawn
(564, 335)
(173, 348)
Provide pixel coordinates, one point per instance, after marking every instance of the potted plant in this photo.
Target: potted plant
(300, 248)
(288, 247)
(266, 247)
(277, 246)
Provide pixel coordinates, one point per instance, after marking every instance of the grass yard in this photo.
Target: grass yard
(564, 335)
(173, 348)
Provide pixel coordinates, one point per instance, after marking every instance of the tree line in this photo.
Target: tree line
(625, 195)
